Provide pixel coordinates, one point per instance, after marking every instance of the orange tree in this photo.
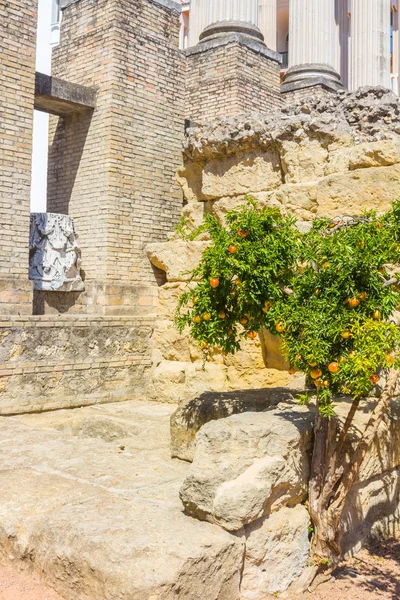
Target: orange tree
(330, 295)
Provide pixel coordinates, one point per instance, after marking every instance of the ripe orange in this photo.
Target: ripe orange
(354, 302)
(390, 359)
(326, 383)
(346, 335)
(374, 379)
(333, 367)
(214, 282)
(318, 382)
(377, 316)
(204, 345)
(292, 370)
(243, 320)
(206, 316)
(197, 319)
(222, 315)
(232, 249)
(313, 364)
(315, 373)
(252, 335)
(243, 233)
(280, 327)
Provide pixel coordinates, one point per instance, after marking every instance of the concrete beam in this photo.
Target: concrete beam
(59, 97)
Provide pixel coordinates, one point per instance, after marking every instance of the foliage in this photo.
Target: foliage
(329, 293)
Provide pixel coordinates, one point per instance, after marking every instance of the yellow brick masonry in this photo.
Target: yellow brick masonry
(17, 73)
(114, 173)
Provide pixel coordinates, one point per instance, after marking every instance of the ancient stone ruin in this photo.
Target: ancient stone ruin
(168, 478)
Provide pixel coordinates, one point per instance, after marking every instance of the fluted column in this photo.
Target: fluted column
(313, 41)
(197, 20)
(312, 32)
(267, 22)
(343, 36)
(232, 10)
(370, 43)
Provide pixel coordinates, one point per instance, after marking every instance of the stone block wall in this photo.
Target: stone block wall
(114, 171)
(47, 363)
(178, 371)
(318, 157)
(17, 67)
(229, 76)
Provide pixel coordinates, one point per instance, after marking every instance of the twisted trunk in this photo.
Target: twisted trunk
(331, 480)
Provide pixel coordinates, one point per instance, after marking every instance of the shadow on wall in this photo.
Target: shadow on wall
(65, 155)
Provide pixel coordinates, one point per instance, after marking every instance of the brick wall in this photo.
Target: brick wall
(114, 172)
(226, 79)
(47, 363)
(17, 72)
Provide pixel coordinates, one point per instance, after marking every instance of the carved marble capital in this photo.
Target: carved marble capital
(54, 254)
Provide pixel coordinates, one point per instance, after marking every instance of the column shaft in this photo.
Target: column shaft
(232, 10)
(370, 43)
(312, 35)
(343, 37)
(267, 22)
(197, 20)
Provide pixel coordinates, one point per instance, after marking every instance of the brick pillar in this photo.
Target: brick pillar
(17, 68)
(231, 71)
(114, 171)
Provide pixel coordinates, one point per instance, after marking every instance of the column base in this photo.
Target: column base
(305, 76)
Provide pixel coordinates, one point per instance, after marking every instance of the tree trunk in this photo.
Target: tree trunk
(331, 480)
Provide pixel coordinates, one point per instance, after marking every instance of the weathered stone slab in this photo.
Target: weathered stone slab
(99, 517)
(249, 465)
(176, 258)
(277, 550)
(59, 97)
(211, 406)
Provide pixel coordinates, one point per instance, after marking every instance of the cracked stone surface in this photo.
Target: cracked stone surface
(90, 498)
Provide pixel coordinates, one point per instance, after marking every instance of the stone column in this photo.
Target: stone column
(232, 10)
(267, 22)
(197, 20)
(343, 45)
(313, 41)
(370, 43)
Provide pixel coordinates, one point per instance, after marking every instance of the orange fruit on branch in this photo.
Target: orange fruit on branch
(206, 316)
(252, 335)
(377, 316)
(214, 282)
(221, 315)
(374, 378)
(354, 302)
(333, 367)
(280, 327)
(315, 373)
(232, 249)
(197, 319)
(346, 335)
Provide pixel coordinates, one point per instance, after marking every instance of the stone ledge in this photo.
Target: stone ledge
(166, 3)
(59, 97)
(236, 38)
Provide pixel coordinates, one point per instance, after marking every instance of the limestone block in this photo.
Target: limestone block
(374, 154)
(349, 193)
(177, 258)
(272, 351)
(303, 162)
(256, 378)
(168, 297)
(177, 381)
(244, 174)
(277, 550)
(190, 178)
(210, 406)
(168, 340)
(193, 214)
(249, 465)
